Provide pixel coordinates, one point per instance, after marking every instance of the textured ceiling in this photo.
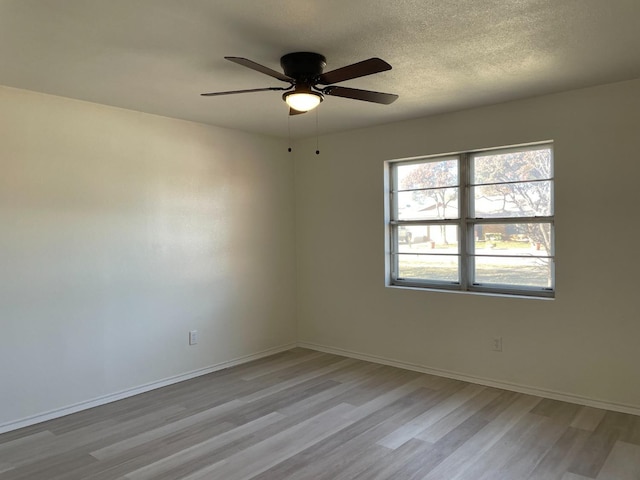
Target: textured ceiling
(156, 56)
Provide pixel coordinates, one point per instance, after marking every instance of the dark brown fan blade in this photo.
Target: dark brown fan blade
(365, 95)
(259, 68)
(231, 92)
(360, 69)
(295, 112)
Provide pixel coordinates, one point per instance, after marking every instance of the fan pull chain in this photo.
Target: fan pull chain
(317, 141)
(289, 129)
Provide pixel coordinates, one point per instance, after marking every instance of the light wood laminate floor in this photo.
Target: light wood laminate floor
(308, 415)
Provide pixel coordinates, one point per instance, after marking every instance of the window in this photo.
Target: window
(475, 221)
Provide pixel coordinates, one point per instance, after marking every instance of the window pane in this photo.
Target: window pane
(512, 166)
(513, 239)
(528, 199)
(428, 239)
(435, 174)
(529, 272)
(442, 268)
(435, 204)
(502, 200)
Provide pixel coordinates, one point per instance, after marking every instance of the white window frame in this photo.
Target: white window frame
(465, 224)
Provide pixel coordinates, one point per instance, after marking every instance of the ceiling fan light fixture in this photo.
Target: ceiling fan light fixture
(304, 71)
(303, 100)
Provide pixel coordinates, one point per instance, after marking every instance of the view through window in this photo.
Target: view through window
(474, 221)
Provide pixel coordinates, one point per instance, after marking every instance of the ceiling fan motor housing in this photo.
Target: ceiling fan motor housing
(304, 67)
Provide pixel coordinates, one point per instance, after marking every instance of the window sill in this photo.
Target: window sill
(523, 296)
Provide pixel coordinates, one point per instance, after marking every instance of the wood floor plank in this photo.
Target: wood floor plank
(385, 398)
(355, 449)
(23, 432)
(385, 379)
(23, 443)
(5, 468)
(330, 397)
(305, 415)
(593, 454)
(612, 427)
(588, 419)
(560, 456)
(444, 410)
(454, 466)
(623, 463)
(633, 434)
(359, 371)
(83, 438)
(48, 467)
(254, 460)
(188, 455)
(446, 424)
(278, 387)
(145, 454)
(495, 458)
(264, 370)
(458, 437)
(416, 426)
(402, 462)
(193, 420)
(527, 451)
(574, 476)
(279, 400)
(560, 412)
(326, 456)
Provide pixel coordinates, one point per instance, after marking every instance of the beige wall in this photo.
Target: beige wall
(122, 231)
(584, 343)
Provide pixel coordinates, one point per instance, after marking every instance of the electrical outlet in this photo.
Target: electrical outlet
(193, 337)
(496, 344)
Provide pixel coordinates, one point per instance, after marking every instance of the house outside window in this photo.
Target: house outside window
(479, 221)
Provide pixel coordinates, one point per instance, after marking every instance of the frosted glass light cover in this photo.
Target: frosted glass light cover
(303, 102)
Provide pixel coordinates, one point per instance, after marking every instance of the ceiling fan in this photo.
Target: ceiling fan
(303, 71)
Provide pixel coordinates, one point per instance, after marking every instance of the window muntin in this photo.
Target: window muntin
(476, 221)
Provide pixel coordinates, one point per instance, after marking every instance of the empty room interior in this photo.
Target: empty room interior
(429, 271)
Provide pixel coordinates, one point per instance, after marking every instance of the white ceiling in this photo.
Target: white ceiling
(156, 56)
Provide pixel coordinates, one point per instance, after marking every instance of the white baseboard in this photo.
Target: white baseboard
(514, 387)
(95, 402)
